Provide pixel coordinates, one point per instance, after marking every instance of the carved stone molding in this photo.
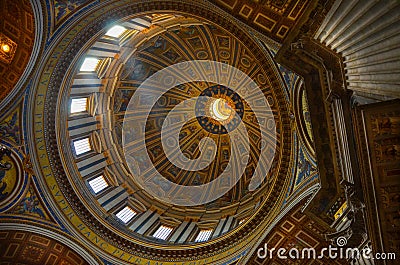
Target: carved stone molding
(377, 130)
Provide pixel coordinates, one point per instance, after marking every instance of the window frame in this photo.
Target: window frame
(197, 239)
(120, 209)
(96, 177)
(86, 111)
(91, 69)
(166, 227)
(80, 139)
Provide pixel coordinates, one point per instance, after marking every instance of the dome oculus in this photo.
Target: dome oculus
(217, 107)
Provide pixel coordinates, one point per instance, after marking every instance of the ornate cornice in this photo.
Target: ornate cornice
(321, 69)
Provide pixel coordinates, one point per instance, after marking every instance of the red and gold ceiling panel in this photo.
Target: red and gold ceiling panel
(16, 37)
(20, 247)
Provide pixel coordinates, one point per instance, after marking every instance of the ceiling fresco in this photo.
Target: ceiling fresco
(185, 43)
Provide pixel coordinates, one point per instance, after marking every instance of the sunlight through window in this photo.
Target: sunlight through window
(82, 146)
(89, 64)
(98, 184)
(79, 105)
(163, 232)
(115, 31)
(126, 214)
(204, 235)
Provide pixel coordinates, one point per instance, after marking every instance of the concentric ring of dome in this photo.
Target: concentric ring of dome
(141, 54)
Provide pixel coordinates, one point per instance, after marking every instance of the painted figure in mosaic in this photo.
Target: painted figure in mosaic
(4, 167)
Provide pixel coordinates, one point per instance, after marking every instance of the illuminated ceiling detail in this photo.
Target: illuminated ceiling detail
(17, 36)
(220, 110)
(7, 49)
